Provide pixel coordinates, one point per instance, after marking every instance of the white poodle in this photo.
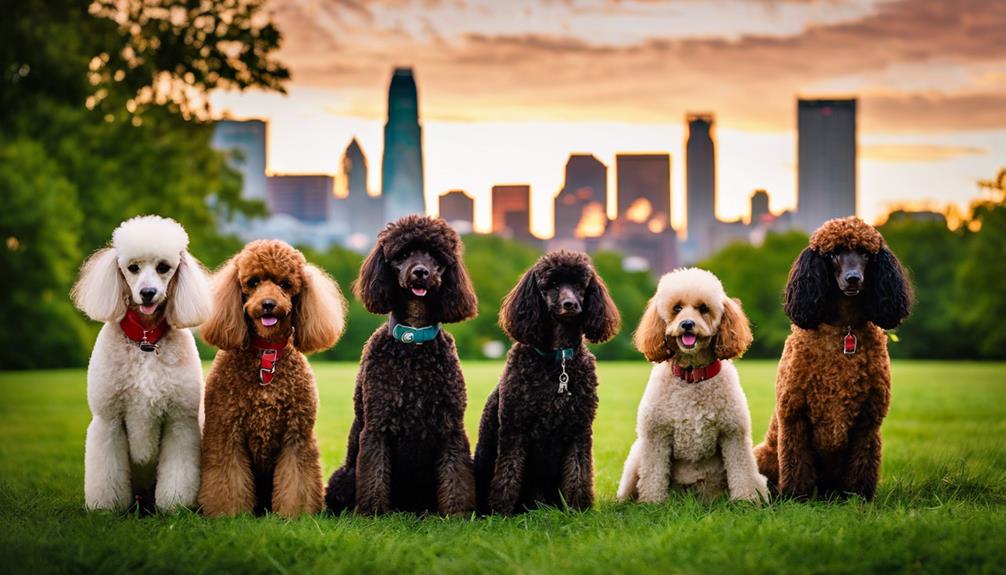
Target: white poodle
(693, 426)
(144, 380)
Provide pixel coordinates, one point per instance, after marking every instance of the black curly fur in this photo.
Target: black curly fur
(534, 444)
(888, 294)
(407, 447)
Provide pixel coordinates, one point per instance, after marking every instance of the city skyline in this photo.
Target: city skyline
(509, 92)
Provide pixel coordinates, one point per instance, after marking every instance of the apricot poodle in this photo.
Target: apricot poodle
(693, 426)
(535, 438)
(834, 380)
(259, 451)
(408, 449)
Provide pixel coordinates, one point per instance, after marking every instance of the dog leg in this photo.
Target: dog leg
(743, 479)
(508, 477)
(341, 491)
(578, 474)
(226, 486)
(797, 476)
(373, 475)
(297, 481)
(455, 477)
(630, 475)
(862, 471)
(485, 452)
(767, 456)
(178, 464)
(654, 468)
(106, 466)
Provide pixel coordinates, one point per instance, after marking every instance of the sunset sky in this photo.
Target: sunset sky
(507, 90)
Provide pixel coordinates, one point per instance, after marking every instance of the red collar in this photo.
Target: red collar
(134, 330)
(269, 354)
(696, 374)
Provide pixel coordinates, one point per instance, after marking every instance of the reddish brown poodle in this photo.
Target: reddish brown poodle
(259, 451)
(535, 439)
(834, 380)
(408, 450)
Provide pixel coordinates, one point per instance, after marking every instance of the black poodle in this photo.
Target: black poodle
(407, 447)
(535, 437)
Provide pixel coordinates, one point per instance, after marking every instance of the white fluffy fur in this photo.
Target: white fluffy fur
(692, 435)
(144, 428)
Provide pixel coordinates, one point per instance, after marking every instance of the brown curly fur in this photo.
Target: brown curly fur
(408, 449)
(824, 437)
(258, 450)
(535, 445)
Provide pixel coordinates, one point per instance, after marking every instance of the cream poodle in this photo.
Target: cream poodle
(144, 380)
(693, 426)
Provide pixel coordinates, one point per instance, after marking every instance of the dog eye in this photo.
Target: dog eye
(133, 269)
(163, 268)
(285, 284)
(677, 308)
(703, 309)
(253, 281)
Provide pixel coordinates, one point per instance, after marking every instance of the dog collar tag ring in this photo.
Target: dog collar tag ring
(145, 344)
(267, 367)
(563, 378)
(408, 337)
(850, 343)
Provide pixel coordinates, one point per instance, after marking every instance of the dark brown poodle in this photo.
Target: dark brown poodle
(535, 444)
(834, 380)
(407, 447)
(259, 450)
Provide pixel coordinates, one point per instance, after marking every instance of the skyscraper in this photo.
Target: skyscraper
(581, 206)
(700, 156)
(362, 213)
(759, 207)
(248, 137)
(402, 167)
(458, 209)
(306, 197)
(644, 192)
(826, 161)
(512, 211)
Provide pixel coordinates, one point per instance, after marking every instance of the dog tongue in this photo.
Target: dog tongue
(419, 291)
(268, 320)
(688, 339)
(148, 309)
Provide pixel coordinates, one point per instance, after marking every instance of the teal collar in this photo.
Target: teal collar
(557, 354)
(409, 334)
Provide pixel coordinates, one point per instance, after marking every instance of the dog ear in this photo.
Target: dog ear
(808, 290)
(226, 328)
(888, 290)
(651, 337)
(101, 291)
(375, 283)
(734, 334)
(602, 319)
(521, 314)
(320, 314)
(190, 302)
(457, 296)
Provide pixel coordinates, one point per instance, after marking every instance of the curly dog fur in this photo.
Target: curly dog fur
(259, 450)
(692, 435)
(824, 436)
(535, 442)
(407, 446)
(143, 440)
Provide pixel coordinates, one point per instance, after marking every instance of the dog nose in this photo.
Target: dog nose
(570, 305)
(688, 325)
(268, 304)
(148, 294)
(420, 271)
(853, 278)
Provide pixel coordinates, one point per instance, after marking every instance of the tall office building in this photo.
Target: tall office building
(306, 197)
(361, 212)
(580, 207)
(700, 173)
(402, 167)
(826, 161)
(512, 211)
(458, 209)
(644, 192)
(759, 207)
(248, 138)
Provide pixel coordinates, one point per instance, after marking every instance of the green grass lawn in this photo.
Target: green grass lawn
(941, 506)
